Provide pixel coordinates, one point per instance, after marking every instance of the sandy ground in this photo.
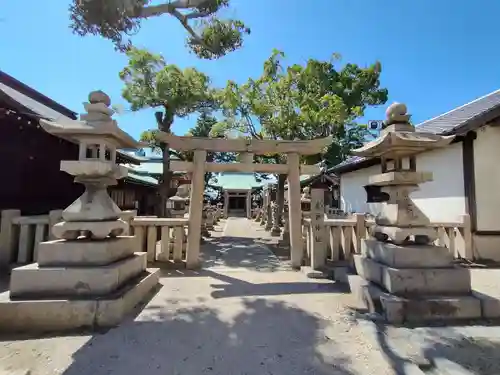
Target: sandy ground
(246, 313)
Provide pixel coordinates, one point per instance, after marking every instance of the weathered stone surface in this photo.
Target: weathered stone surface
(71, 230)
(400, 178)
(398, 310)
(403, 281)
(398, 235)
(442, 308)
(416, 256)
(85, 252)
(490, 305)
(368, 269)
(35, 316)
(426, 280)
(110, 311)
(32, 280)
(45, 315)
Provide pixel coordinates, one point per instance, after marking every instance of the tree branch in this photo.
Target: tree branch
(172, 8)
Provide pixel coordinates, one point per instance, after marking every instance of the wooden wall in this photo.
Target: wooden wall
(30, 179)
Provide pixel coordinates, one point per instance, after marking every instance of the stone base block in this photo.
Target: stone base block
(490, 305)
(414, 281)
(97, 230)
(85, 252)
(56, 315)
(314, 274)
(34, 281)
(276, 232)
(421, 309)
(398, 235)
(412, 256)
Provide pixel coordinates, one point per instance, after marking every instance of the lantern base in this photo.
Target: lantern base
(402, 236)
(71, 230)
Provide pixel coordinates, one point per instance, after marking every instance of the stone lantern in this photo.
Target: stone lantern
(305, 201)
(93, 275)
(177, 204)
(285, 241)
(407, 277)
(219, 211)
(177, 208)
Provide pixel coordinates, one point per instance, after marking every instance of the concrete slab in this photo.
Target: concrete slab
(413, 256)
(86, 252)
(43, 316)
(405, 281)
(34, 281)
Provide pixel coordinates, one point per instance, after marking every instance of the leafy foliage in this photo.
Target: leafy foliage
(117, 20)
(152, 83)
(304, 102)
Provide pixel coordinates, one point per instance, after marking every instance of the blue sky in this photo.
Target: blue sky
(435, 54)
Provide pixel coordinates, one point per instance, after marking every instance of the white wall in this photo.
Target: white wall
(442, 199)
(487, 177)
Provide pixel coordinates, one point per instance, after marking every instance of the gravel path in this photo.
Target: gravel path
(240, 319)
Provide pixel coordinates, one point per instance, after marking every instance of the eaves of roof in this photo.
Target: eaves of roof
(31, 102)
(458, 122)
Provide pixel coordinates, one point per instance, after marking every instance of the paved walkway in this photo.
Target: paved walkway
(239, 244)
(240, 317)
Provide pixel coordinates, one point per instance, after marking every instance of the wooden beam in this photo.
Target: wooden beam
(255, 146)
(184, 166)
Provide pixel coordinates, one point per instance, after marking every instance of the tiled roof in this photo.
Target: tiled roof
(33, 105)
(448, 123)
(41, 105)
(146, 180)
(237, 181)
(454, 119)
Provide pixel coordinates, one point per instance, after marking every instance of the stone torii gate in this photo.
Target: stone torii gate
(247, 149)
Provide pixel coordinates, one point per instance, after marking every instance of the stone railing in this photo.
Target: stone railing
(21, 235)
(343, 236)
(168, 233)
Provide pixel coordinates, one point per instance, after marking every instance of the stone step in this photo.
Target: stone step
(423, 309)
(34, 281)
(85, 252)
(413, 281)
(412, 256)
(336, 271)
(59, 315)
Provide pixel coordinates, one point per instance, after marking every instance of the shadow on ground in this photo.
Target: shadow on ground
(473, 350)
(236, 287)
(252, 338)
(238, 252)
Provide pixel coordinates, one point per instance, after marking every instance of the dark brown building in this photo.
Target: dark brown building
(30, 179)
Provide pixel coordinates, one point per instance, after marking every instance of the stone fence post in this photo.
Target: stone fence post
(55, 216)
(9, 234)
(318, 243)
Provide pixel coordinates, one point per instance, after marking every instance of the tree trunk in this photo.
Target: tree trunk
(164, 121)
(164, 186)
(280, 196)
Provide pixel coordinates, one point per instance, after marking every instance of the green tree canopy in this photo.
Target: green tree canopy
(209, 38)
(308, 101)
(304, 102)
(152, 83)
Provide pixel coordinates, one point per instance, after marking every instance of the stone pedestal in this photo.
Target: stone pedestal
(414, 283)
(404, 276)
(91, 277)
(275, 229)
(269, 218)
(285, 241)
(210, 219)
(204, 218)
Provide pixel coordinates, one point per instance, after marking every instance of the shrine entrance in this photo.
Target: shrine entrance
(246, 149)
